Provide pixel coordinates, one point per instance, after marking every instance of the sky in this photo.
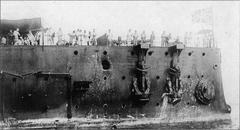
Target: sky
(119, 16)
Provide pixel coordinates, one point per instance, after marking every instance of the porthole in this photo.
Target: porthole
(166, 53)
(190, 53)
(105, 78)
(104, 52)
(75, 52)
(215, 66)
(150, 53)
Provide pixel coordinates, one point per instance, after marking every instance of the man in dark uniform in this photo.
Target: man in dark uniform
(10, 38)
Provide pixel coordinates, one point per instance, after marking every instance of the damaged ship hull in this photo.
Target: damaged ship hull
(110, 82)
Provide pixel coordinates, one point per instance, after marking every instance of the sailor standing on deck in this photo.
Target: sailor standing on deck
(143, 37)
(60, 36)
(85, 38)
(168, 39)
(53, 37)
(135, 38)
(37, 38)
(10, 38)
(152, 38)
(94, 40)
(177, 40)
(72, 38)
(16, 35)
(49, 36)
(163, 39)
(21, 41)
(30, 37)
(79, 37)
(129, 37)
(3, 40)
(109, 37)
(26, 41)
(89, 38)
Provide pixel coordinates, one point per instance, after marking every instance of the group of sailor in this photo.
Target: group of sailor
(76, 37)
(15, 38)
(89, 38)
(81, 37)
(132, 38)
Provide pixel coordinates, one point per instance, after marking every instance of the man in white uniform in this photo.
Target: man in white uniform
(78, 37)
(143, 36)
(60, 36)
(3, 41)
(85, 38)
(49, 37)
(31, 38)
(72, 37)
(164, 39)
(135, 37)
(129, 37)
(16, 35)
(89, 38)
(152, 38)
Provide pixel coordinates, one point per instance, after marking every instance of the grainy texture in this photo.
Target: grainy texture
(109, 94)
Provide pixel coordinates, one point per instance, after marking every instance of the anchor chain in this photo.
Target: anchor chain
(173, 86)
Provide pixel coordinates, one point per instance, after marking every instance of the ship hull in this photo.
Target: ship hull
(101, 83)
